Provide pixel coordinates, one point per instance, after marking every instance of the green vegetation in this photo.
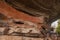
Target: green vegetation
(58, 28)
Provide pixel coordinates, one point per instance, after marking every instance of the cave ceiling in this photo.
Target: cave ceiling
(38, 7)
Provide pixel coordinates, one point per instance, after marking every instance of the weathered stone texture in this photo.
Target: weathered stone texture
(18, 38)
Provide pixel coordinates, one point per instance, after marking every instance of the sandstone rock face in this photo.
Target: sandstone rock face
(18, 38)
(14, 24)
(13, 17)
